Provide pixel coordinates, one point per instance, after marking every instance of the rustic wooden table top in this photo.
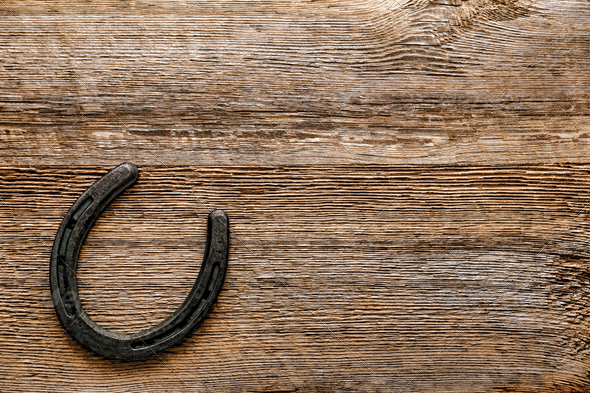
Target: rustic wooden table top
(407, 183)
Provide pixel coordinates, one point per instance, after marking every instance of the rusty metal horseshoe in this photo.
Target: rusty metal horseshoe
(62, 277)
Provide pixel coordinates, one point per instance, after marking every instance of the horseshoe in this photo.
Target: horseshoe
(62, 277)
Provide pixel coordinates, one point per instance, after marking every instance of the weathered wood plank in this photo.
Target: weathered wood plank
(398, 83)
(341, 279)
(407, 184)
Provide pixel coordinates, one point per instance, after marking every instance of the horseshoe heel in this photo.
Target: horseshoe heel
(64, 288)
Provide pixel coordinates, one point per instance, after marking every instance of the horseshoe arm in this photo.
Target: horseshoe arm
(63, 282)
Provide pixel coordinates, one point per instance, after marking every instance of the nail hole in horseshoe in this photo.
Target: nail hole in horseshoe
(63, 280)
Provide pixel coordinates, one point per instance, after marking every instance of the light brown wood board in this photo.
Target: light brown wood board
(407, 184)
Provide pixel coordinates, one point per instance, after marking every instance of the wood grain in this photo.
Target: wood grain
(340, 278)
(328, 83)
(407, 184)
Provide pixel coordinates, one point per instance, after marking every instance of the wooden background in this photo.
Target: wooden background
(407, 184)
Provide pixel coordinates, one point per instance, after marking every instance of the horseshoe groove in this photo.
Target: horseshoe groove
(62, 274)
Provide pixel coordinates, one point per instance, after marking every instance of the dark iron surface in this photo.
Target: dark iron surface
(64, 289)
